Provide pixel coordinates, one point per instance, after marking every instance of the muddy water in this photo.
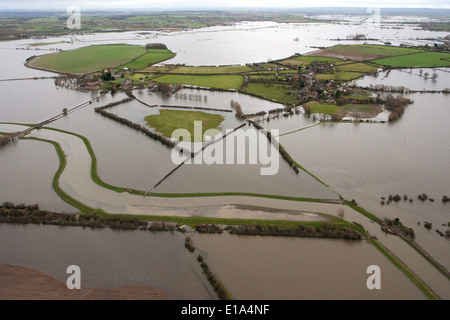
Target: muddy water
(369, 161)
(238, 44)
(107, 259)
(413, 79)
(22, 183)
(299, 268)
(200, 177)
(215, 99)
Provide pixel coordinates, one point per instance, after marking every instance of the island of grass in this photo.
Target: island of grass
(363, 52)
(94, 58)
(167, 121)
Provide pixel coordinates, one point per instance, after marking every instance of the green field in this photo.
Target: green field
(88, 59)
(357, 67)
(359, 97)
(364, 52)
(307, 60)
(426, 59)
(211, 70)
(317, 107)
(151, 57)
(368, 109)
(210, 81)
(311, 59)
(262, 77)
(339, 76)
(277, 92)
(167, 121)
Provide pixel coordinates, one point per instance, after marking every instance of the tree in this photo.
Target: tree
(106, 75)
(239, 112)
(155, 46)
(165, 88)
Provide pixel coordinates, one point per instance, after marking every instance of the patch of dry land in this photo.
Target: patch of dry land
(22, 283)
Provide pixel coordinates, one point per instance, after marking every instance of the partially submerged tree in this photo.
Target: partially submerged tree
(155, 46)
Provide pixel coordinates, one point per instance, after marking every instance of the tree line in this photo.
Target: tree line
(6, 139)
(326, 230)
(135, 126)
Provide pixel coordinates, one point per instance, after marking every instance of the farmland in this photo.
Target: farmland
(423, 60)
(167, 121)
(210, 81)
(88, 59)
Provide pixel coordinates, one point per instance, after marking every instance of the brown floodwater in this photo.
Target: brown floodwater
(254, 267)
(107, 258)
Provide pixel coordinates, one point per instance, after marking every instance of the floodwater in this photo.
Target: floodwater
(108, 259)
(244, 178)
(369, 161)
(254, 267)
(413, 79)
(24, 183)
(361, 161)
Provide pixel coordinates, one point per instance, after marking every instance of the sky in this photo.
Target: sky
(174, 4)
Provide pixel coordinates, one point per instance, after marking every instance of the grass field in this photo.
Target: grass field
(307, 60)
(311, 59)
(357, 67)
(426, 59)
(276, 92)
(168, 121)
(363, 52)
(317, 107)
(358, 97)
(88, 59)
(339, 76)
(367, 110)
(211, 81)
(151, 57)
(211, 70)
(262, 77)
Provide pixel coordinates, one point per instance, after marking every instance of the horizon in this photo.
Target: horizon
(174, 9)
(175, 5)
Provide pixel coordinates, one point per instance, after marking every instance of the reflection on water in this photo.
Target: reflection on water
(413, 79)
(300, 268)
